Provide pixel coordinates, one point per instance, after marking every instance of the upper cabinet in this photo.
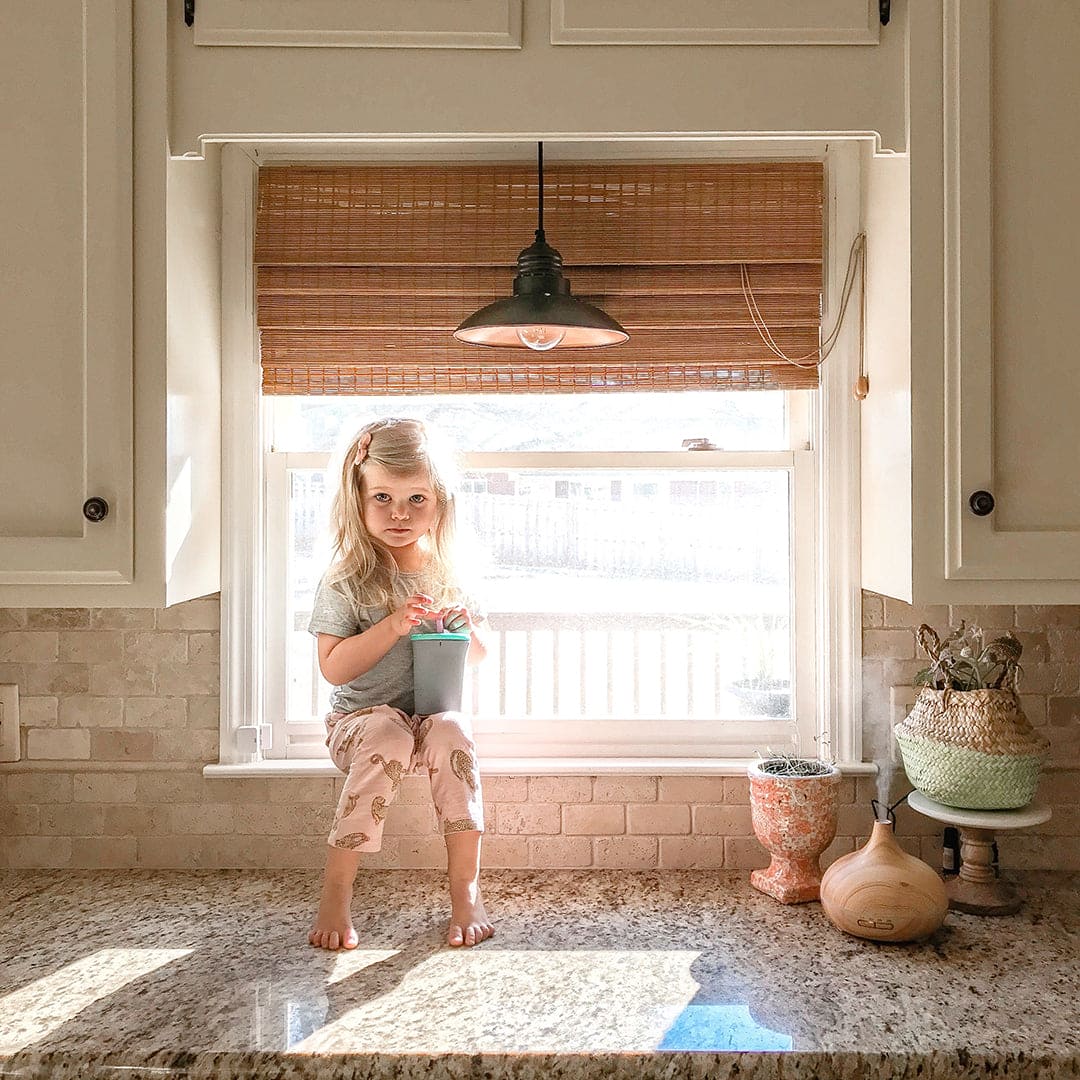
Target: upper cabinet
(108, 451)
(497, 24)
(1012, 378)
(421, 24)
(505, 69)
(970, 444)
(736, 22)
(67, 513)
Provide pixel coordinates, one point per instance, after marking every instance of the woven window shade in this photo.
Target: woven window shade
(363, 272)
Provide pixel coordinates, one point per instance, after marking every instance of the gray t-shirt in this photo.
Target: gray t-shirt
(390, 681)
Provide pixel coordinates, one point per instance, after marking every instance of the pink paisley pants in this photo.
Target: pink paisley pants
(378, 747)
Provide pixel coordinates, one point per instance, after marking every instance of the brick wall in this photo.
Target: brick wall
(120, 711)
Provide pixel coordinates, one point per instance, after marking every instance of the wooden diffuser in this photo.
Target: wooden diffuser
(882, 893)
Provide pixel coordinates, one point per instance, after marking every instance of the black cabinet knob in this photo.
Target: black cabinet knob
(981, 503)
(95, 509)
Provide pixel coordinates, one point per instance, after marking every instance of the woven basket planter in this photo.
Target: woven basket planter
(972, 749)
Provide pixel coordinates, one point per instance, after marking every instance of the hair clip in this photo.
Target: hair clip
(362, 448)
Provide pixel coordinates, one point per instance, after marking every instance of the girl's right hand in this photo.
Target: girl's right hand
(411, 614)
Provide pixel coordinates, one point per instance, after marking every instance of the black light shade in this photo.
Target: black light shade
(541, 315)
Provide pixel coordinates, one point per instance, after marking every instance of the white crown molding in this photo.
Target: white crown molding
(613, 145)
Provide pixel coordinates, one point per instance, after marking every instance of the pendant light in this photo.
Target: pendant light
(541, 315)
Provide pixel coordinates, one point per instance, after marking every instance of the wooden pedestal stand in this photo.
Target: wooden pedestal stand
(977, 889)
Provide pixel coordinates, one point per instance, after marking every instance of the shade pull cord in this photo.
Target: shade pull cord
(856, 257)
(862, 383)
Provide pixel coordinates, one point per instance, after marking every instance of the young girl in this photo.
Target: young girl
(393, 521)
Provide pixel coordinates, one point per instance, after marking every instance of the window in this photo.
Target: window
(629, 584)
(646, 601)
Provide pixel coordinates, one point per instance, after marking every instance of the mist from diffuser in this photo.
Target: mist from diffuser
(541, 314)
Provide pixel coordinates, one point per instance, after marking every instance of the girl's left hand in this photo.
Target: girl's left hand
(457, 620)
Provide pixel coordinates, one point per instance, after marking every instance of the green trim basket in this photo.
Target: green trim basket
(972, 749)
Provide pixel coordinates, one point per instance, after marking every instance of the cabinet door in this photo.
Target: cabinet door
(420, 24)
(65, 300)
(735, 22)
(1012, 316)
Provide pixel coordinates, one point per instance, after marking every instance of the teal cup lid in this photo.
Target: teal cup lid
(444, 635)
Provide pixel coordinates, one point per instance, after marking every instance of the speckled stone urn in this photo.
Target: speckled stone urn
(794, 817)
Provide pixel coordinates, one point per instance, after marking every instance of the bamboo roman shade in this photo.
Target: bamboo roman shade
(363, 272)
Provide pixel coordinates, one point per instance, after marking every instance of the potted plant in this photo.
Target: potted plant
(966, 742)
(764, 695)
(793, 805)
(760, 690)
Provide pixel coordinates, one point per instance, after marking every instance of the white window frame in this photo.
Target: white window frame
(562, 737)
(827, 693)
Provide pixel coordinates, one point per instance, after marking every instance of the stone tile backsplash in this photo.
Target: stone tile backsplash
(119, 711)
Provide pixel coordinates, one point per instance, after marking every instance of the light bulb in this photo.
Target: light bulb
(540, 338)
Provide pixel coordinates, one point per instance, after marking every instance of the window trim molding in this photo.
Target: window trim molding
(839, 500)
(242, 693)
(244, 733)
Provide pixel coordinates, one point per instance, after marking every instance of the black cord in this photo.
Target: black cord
(890, 811)
(540, 179)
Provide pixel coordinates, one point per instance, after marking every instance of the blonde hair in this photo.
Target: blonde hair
(364, 567)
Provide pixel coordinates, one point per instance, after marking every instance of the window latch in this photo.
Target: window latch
(699, 444)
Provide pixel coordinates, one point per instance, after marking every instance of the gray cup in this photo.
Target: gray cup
(438, 671)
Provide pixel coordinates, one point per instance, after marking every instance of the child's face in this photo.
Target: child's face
(398, 510)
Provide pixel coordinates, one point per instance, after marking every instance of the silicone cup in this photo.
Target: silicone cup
(438, 671)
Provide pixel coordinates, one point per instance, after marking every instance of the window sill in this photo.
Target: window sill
(316, 767)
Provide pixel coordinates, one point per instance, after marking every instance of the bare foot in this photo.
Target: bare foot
(469, 924)
(333, 927)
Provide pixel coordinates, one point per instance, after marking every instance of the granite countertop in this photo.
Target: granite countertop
(591, 973)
